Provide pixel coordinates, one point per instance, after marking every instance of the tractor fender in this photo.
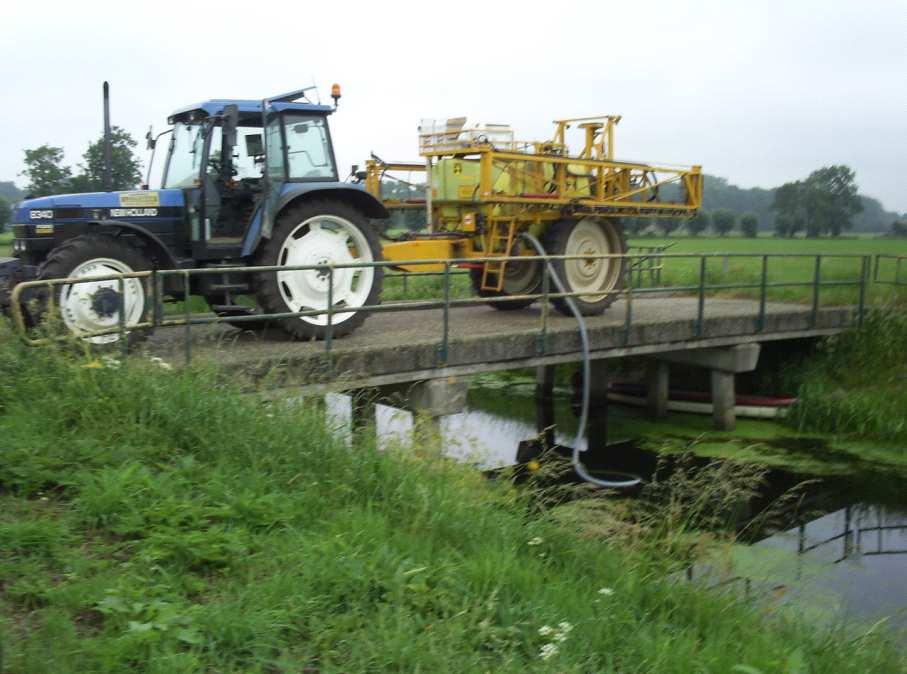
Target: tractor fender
(294, 193)
(165, 256)
(359, 198)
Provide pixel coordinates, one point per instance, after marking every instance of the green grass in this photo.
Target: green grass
(159, 521)
(5, 240)
(856, 384)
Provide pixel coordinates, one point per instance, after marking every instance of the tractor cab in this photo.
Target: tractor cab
(234, 159)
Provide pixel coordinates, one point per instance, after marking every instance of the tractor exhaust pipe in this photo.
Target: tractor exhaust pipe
(108, 183)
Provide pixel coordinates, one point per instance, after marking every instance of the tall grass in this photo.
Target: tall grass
(155, 520)
(857, 382)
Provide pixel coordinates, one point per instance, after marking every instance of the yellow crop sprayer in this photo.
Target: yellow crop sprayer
(484, 188)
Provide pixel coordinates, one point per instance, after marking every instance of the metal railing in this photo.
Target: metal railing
(890, 263)
(630, 294)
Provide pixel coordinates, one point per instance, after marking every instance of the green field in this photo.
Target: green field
(835, 266)
(5, 239)
(160, 521)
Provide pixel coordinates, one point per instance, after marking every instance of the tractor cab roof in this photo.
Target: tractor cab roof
(249, 110)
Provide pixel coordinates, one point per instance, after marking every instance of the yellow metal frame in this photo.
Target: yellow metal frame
(544, 183)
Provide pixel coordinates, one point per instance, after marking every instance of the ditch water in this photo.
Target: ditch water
(836, 552)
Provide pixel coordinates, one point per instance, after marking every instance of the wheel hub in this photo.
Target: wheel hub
(105, 302)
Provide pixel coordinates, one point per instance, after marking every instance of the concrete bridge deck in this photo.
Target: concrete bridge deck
(404, 346)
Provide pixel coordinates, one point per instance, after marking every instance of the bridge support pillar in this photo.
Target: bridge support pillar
(724, 417)
(363, 419)
(438, 397)
(544, 404)
(658, 375)
(724, 363)
(432, 399)
(597, 430)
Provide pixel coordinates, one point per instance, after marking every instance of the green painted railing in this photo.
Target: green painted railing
(630, 294)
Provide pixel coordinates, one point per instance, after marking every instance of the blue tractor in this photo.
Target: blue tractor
(246, 183)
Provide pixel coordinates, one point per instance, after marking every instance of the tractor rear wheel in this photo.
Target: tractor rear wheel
(520, 278)
(95, 305)
(321, 232)
(596, 280)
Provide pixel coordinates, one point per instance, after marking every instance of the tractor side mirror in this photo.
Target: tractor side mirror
(231, 121)
(254, 147)
(150, 140)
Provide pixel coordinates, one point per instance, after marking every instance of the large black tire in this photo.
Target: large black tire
(103, 304)
(522, 278)
(603, 278)
(292, 223)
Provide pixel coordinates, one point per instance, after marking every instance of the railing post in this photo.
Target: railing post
(542, 345)
(628, 318)
(864, 272)
(817, 273)
(700, 315)
(760, 323)
(187, 314)
(121, 317)
(158, 284)
(445, 319)
(329, 333)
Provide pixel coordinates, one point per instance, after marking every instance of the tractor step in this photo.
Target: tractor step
(232, 310)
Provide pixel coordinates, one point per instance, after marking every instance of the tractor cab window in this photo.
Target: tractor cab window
(245, 165)
(309, 155)
(185, 157)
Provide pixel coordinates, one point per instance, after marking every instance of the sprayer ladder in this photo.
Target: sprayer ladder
(498, 244)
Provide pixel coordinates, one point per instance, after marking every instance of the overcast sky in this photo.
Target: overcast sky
(758, 92)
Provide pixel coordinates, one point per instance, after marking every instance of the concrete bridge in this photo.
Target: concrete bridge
(421, 359)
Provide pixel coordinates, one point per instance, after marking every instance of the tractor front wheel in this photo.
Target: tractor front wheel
(94, 306)
(596, 280)
(317, 233)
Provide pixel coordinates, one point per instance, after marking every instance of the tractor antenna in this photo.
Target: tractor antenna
(108, 184)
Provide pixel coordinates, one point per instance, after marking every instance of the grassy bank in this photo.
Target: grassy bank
(157, 521)
(857, 383)
(5, 240)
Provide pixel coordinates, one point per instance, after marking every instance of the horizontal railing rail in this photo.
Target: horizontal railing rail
(155, 283)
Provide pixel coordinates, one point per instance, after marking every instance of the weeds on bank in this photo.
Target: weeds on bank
(857, 382)
(155, 520)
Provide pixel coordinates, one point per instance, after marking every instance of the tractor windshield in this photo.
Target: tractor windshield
(186, 152)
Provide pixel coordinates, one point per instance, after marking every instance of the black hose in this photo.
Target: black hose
(587, 372)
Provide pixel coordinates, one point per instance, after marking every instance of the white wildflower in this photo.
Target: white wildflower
(560, 637)
(565, 627)
(161, 363)
(547, 651)
(546, 630)
(606, 591)
(535, 541)
(110, 362)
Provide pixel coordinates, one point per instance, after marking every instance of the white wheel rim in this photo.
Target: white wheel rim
(81, 305)
(593, 278)
(324, 240)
